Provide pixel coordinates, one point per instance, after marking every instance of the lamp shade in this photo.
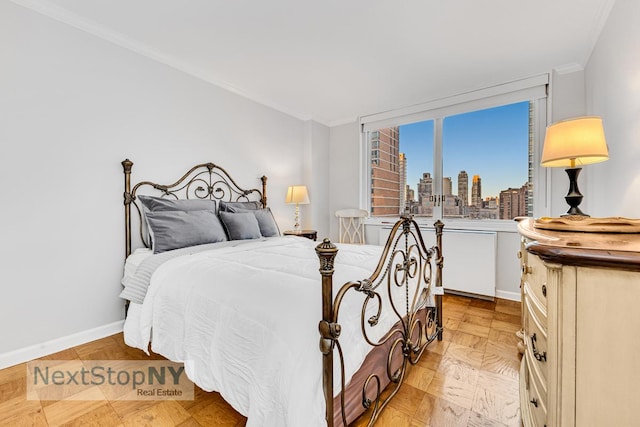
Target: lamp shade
(574, 142)
(297, 194)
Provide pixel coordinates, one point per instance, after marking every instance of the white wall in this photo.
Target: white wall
(612, 80)
(73, 106)
(316, 166)
(344, 172)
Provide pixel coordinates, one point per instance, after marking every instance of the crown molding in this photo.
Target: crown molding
(600, 21)
(568, 68)
(65, 16)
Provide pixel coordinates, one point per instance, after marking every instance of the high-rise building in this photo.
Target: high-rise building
(385, 172)
(476, 192)
(447, 186)
(409, 194)
(425, 191)
(514, 201)
(410, 200)
(532, 165)
(463, 188)
(402, 168)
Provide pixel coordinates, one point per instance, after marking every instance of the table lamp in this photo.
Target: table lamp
(298, 195)
(572, 143)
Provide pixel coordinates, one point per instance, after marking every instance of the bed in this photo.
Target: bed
(243, 308)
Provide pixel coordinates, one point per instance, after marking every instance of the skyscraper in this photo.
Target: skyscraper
(403, 181)
(476, 192)
(385, 172)
(425, 191)
(463, 188)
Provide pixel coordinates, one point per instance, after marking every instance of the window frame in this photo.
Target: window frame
(534, 89)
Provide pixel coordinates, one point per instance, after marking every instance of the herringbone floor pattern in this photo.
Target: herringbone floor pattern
(468, 379)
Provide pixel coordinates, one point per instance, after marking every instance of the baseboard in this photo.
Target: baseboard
(468, 294)
(49, 347)
(513, 296)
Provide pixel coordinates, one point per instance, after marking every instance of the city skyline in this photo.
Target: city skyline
(491, 143)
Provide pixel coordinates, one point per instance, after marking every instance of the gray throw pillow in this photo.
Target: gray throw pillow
(161, 204)
(179, 229)
(229, 206)
(266, 222)
(240, 225)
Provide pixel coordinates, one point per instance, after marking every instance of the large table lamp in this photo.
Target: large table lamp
(571, 144)
(298, 195)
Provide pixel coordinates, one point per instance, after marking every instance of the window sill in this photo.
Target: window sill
(451, 224)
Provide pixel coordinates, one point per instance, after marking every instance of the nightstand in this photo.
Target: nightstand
(309, 234)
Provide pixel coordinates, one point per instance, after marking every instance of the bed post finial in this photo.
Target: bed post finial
(329, 330)
(439, 225)
(264, 191)
(126, 168)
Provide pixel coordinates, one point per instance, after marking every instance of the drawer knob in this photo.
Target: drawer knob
(534, 401)
(526, 269)
(540, 356)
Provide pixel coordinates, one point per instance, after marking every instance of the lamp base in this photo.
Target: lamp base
(297, 226)
(575, 212)
(574, 197)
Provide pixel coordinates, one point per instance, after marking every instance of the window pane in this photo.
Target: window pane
(486, 168)
(416, 147)
(402, 169)
(385, 174)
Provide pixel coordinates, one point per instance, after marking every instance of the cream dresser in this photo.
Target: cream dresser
(581, 322)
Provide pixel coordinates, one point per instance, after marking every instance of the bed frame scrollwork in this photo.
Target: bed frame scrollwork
(409, 277)
(203, 181)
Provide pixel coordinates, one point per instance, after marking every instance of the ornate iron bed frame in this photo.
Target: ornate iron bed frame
(407, 267)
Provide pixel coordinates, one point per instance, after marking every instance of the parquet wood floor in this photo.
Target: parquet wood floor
(468, 379)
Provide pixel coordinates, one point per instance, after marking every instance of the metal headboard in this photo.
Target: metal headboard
(203, 181)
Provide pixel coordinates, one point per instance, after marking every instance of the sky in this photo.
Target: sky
(492, 143)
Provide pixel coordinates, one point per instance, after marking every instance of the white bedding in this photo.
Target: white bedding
(133, 262)
(244, 320)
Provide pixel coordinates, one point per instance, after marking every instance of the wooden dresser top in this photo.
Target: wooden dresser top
(614, 250)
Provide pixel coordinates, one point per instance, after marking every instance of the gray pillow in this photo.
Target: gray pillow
(228, 206)
(179, 229)
(266, 222)
(240, 225)
(160, 204)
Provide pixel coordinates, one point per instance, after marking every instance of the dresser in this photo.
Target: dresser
(581, 328)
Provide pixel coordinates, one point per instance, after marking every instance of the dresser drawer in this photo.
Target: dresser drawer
(535, 329)
(535, 274)
(537, 400)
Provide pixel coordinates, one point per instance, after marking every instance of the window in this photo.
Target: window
(485, 163)
(474, 160)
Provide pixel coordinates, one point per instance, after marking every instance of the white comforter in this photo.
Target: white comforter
(244, 320)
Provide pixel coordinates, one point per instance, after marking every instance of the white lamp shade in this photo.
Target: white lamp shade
(574, 142)
(297, 194)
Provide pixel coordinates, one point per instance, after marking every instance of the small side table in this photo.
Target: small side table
(309, 234)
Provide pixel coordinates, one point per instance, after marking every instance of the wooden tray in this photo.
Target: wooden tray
(589, 224)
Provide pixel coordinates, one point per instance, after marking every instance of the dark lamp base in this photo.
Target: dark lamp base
(574, 197)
